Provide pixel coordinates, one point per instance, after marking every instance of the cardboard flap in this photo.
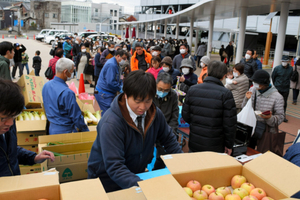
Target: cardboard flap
(284, 176)
(66, 149)
(163, 187)
(134, 193)
(69, 137)
(91, 189)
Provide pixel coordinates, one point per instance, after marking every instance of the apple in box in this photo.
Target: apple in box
(188, 191)
(208, 189)
(237, 181)
(224, 191)
(194, 185)
(216, 196)
(258, 193)
(267, 198)
(232, 197)
(241, 192)
(248, 187)
(200, 195)
(249, 198)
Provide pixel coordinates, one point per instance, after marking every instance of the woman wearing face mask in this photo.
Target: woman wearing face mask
(124, 47)
(241, 87)
(83, 59)
(204, 63)
(167, 67)
(188, 78)
(265, 97)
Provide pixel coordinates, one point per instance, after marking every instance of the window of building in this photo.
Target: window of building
(110, 21)
(111, 12)
(115, 21)
(96, 9)
(36, 6)
(46, 14)
(54, 6)
(116, 13)
(54, 15)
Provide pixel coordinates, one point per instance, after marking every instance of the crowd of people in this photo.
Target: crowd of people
(139, 86)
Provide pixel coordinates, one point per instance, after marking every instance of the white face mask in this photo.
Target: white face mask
(247, 56)
(284, 64)
(94, 48)
(166, 69)
(202, 64)
(166, 42)
(154, 53)
(256, 85)
(235, 74)
(111, 49)
(106, 46)
(83, 50)
(185, 71)
(182, 51)
(76, 42)
(155, 42)
(125, 49)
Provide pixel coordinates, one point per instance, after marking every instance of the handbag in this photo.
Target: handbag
(224, 54)
(88, 69)
(51, 52)
(260, 126)
(49, 73)
(295, 75)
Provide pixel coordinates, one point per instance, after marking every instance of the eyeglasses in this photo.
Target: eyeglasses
(5, 119)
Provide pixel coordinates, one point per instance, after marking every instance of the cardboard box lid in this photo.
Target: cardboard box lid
(91, 189)
(163, 187)
(65, 148)
(191, 162)
(276, 171)
(69, 137)
(134, 193)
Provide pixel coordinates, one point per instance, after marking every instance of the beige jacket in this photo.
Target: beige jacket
(239, 90)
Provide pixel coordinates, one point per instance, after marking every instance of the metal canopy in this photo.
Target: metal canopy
(222, 9)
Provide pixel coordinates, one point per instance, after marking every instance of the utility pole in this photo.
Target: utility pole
(269, 39)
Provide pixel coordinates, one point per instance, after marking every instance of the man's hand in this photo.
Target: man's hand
(43, 156)
(234, 82)
(248, 95)
(228, 151)
(182, 79)
(266, 116)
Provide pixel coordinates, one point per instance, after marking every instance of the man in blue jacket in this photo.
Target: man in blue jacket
(109, 81)
(127, 134)
(11, 155)
(67, 46)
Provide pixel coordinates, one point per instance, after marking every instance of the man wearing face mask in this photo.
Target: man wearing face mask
(281, 76)
(108, 53)
(250, 64)
(60, 103)
(156, 51)
(109, 81)
(166, 64)
(183, 54)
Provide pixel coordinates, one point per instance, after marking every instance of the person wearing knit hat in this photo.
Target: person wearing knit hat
(204, 63)
(166, 65)
(265, 97)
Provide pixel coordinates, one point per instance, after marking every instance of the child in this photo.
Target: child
(37, 63)
(229, 79)
(25, 59)
(155, 66)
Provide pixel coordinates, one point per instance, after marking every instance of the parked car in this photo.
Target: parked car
(50, 37)
(104, 37)
(86, 34)
(42, 34)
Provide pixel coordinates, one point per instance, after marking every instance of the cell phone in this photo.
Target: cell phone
(268, 112)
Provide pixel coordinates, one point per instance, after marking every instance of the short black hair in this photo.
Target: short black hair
(240, 67)
(5, 46)
(138, 44)
(59, 52)
(185, 45)
(216, 69)
(11, 98)
(251, 51)
(120, 52)
(110, 43)
(68, 55)
(140, 84)
(38, 52)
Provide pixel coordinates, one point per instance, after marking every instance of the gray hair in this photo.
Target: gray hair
(78, 38)
(165, 78)
(216, 69)
(63, 64)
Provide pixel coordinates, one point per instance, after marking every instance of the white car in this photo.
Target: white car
(50, 37)
(42, 34)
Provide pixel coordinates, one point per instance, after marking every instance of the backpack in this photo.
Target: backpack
(49, 73)
(295, 75)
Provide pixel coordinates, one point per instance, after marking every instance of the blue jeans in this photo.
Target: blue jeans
(27, 69)
(104, 100)
(295, 95)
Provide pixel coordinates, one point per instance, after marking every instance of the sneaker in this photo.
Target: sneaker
(285, 120)
(91, 85)
(294, 103)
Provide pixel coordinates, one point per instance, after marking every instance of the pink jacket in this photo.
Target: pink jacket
(154, 72)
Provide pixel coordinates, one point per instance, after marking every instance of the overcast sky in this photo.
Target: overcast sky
(128, 4)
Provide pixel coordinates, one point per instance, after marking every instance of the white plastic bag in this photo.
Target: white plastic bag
(247, 116)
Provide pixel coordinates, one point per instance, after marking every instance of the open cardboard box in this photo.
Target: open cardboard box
(73, 164)
(31, 87)
(31, 125)
(85, 105)
(90, 189)
(278, 177)
(43, 185)
(25, 169)
(134, 193)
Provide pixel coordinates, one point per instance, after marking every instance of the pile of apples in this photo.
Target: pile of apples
(241, 191)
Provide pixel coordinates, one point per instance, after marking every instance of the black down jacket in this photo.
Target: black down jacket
(210, 110)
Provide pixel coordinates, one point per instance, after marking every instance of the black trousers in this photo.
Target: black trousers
(17, 65)
(285, 96)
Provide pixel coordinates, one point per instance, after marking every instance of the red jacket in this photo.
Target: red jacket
(52, 64)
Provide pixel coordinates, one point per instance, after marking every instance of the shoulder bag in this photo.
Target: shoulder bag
(295, 75)
(49, 73)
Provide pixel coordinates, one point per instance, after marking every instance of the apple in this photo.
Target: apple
(224, 191)
(237, 181)
(232, 197)
(216, 196)
(267, 198)
(241, 192)
(188, 191)
(193, 198)
(194, 185)
(200, 195)
(248, 187)
(208, 189)
(258, 193)
(249, 198)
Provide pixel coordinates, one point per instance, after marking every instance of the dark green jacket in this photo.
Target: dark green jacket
(4, 68)
(281, 78)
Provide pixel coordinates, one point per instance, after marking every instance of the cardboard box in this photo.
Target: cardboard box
(73, 164)
(25, 169)
(33, 148)
(85, 105)
(32, 125)
(93, 128)
(31, 87)
(278, 177)
(29, 138)
(181, 121)
(31, 186)
(90, 189)
(69, 137)
(134, 193)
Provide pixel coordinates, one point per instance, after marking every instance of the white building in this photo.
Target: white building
(76, 11)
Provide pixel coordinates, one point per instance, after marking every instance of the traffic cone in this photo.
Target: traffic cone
(81, 88)
(15, 37)
(2, 36)
(292, 63)
(262, 60)
(34, 37)
(225, 60)
(27, 38)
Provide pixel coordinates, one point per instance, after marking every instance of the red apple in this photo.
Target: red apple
(200, 195)
(237, 181)
(241, 192)
(188, 191)
(258, 193)
(249, 198)
(216, 196)
(224, 191)
(248, 186)
(208, 189)
(267, 198)
(194, 185)
(232, 197)
(193, 198)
